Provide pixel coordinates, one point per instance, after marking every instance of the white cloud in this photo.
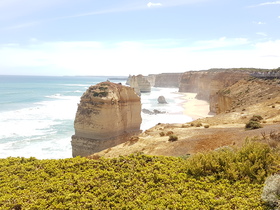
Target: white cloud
(267, 3)
(270, 3)
(259, 23)
(97, 58)
(222, 42)
(150, 4)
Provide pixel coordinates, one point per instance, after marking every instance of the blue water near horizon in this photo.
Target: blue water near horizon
(37, 113)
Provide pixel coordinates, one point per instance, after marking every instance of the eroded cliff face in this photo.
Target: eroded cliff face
(107, 114)
(168, 79)
(229, 89)
(245, 93)
(220, 103)
(139, 83)
(208, 83)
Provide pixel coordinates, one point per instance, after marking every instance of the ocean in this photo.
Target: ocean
(37, 113)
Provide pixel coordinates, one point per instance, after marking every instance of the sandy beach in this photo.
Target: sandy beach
(195, 108)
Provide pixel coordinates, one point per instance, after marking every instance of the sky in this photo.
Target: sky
(109, 37)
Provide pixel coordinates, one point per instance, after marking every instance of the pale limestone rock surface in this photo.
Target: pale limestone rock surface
(140, 84)
(207, 85)
(133, 83)
(128, 80)
(167, 80)
(107, 115)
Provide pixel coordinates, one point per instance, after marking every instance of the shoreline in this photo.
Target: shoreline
(195, 108)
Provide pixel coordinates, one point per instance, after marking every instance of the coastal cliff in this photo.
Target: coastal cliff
(235, 106)
(107, 115)
(245, 93)
(228, 89)
(167, 79)
(208, 83)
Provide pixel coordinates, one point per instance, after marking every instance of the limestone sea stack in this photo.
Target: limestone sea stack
(140, 83)
(108, 114)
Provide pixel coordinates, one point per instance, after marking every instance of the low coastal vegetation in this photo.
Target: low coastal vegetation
(173, 138)
(228, 178)
(254, 123)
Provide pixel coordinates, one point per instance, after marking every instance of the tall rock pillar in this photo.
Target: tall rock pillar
(108, 114)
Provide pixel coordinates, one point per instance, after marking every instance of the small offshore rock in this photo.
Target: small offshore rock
(155, 111)
(161, 100)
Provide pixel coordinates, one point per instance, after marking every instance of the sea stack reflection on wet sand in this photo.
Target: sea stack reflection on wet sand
(108, 114)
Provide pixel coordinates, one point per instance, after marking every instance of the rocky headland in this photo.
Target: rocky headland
(108, 114)
(207, 83)
(234, 95)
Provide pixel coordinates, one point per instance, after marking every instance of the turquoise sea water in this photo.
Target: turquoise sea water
(37, 113)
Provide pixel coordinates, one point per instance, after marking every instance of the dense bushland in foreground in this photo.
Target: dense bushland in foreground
(224, 179)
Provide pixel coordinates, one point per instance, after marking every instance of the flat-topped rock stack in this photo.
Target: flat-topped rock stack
(140, 84)
(108, 114)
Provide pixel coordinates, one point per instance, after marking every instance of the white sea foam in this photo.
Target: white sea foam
(49, 149)
(173, 109)
(24, 127)
(36, 131)
(44, 130)
(54, 96)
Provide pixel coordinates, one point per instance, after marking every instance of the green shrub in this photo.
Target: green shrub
(173, 138)
(253, 125)
(100, 94)
(254, 122)
(206, 126)
(103, 88)
(225, 179)
(253, 162)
